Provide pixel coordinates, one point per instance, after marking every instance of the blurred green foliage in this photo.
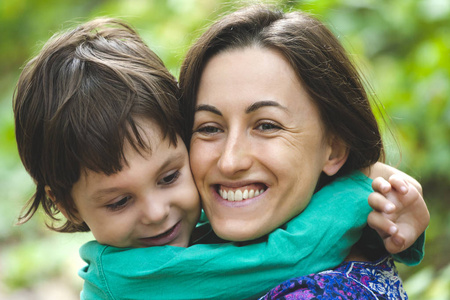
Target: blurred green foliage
(402, 47)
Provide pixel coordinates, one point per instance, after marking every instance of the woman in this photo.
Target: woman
(275, 106)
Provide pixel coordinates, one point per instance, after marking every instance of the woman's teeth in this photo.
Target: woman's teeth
(239, 195)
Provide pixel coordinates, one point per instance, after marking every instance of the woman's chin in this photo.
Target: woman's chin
(236, 234)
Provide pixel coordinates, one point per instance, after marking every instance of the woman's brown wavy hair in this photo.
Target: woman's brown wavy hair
(318, 58)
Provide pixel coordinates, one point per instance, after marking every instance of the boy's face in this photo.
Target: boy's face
(152, 201)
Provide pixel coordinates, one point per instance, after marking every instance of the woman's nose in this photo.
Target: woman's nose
(235, 156)
(154, 211)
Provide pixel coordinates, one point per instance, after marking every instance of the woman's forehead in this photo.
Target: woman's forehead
(250, 77)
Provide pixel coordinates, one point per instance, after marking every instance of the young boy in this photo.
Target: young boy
(98, 129)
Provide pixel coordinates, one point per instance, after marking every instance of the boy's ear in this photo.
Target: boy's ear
(337, 156)
(74, 217)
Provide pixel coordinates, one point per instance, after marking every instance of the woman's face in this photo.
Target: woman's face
(258, 144)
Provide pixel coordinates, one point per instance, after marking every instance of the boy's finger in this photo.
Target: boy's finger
(399, 184)
(381, 224)
(381, 185)
(412, 195)
(408, 178)
(380, 203)
(395, 244)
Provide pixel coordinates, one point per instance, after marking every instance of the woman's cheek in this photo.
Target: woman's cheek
(199, 155)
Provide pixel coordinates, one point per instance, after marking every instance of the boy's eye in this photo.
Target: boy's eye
(171, 178)
(119, 204)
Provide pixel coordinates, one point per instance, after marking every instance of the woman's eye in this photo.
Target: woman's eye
(208, 130)
(119, 204)
(170, 178)
(267, 126)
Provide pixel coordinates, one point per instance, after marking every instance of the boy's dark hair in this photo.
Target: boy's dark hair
(76, 105)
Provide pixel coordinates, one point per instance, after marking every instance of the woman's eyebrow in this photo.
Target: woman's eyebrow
(257, 105)
(207, 107)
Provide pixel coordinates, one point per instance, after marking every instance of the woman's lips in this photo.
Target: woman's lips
(239, 196)
(164, 238)
(241, 193)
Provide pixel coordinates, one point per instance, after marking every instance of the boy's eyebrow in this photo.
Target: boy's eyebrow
(97, 195)
(172, 159)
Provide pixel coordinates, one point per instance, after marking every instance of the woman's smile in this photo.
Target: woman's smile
(241, 190)
(239, 194)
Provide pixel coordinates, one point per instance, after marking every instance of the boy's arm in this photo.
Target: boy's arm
(400, 214)
(400, 226)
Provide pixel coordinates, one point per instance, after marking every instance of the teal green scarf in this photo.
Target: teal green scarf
(318, 239)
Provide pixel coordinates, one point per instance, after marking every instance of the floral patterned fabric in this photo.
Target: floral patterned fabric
(350, 280)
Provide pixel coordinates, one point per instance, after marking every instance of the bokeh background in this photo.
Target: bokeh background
(402, 48)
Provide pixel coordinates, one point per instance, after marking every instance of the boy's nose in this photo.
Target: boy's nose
(155, 211)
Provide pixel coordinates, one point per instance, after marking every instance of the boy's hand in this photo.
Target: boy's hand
(399, 214)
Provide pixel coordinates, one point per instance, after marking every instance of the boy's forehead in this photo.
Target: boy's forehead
(163, 155)
(146, 140)
(148, 131)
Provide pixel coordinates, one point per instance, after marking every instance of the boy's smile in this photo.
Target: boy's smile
(164, 238)
(152, 201)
